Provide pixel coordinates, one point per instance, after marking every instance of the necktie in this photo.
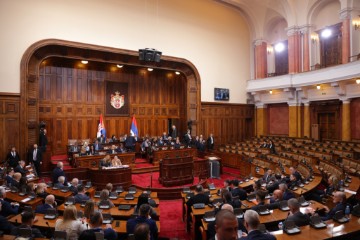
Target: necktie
(13, 153)
(34, 156)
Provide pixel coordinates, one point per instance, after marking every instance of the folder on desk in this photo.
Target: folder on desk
(199, 206)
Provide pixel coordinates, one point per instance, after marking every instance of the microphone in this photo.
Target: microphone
(87, 226)
(49, 230)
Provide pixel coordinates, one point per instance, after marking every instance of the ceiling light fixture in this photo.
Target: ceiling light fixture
(358, 81)
(279, 47)
(84, 62)
(119, 66)
(150, 69)
(177, 73)
(326, 33)
(318, 87)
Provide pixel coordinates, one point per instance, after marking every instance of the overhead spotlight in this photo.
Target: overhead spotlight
(358, 81)
(150, 69)
(270, 91)
(326, 33)
(318, 87)
(84, 62)
(177, 73)
(119, 66)
(279, 47)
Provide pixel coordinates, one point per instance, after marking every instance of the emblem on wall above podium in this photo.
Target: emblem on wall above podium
(116, 98)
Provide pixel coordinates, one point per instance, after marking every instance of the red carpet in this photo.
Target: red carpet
(231, 170)
(143, 180)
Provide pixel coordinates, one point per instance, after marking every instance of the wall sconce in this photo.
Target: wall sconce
(356, 23)
(269, 49)
(314, 38)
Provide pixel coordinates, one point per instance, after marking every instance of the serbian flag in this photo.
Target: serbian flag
(134, 129)
(101, 128)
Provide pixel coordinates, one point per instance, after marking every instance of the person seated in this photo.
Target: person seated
(260, 200)
(143, 218)
(21, 168)
(164, 137)
(142, 232)
(106, 161)
(199, 197)
(113, 139)
(160, 142)
(92, 150)
(295, 215)
(320, 195)
(277, 196)
(97, 146)
(13, 157)
(23, 184)
(274, 183)
(7, 208)
(144, 199)
(121, 148)
(5, 225)
(170, 141)
(9, 176)
(296, 174)
(89, 209)
(81, 196)
(177, 143)
(237, 191)
(228, 199)
(102, 139)
(113, 150)
(293, 182)
(109, 187)
(264, 145)
(212, 225)
(252, 222)
(16, 180)
(57, 172)
(257, 186)
(74, 185)
(27, 220)
(145, 145)
(31, 188)
(96, 220)
(70, 224)
(227, 185)
(267, 176)
(116, 162)
(41, 190)
(287, 194)
(104, 198)
(49, 204)
(61, 182)
(339, 199)
(85, 149)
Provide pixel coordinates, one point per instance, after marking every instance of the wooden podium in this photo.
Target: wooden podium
(117, 176)
(176, 171)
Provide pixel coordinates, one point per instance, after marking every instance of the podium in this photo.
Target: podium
(176, 171)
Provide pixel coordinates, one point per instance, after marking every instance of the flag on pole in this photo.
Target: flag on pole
(134, 129)
(101, 128)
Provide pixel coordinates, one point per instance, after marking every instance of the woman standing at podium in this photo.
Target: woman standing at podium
(116, 162)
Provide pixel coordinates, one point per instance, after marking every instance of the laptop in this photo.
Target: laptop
(50, 214)
(199, 206)
(209, 216)
(129, 196)
(125, 207)
(291, 228)
(316, 222)
(107, 219)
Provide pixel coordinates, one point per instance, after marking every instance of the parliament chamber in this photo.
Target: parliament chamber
(180, 116)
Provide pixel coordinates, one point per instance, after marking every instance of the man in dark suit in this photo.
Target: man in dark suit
(173, 132)
(199, 197)
(102, 139)
(226, 225)
(339, 199)
(49, 203)
(5, 225)
(187, 138)
(267, 176)
(20, 168)
(57, 172)
(97, 146)
(43, 141)
(294, 172)
(35, 157)
(27, 221)
(130, 143)
(96, 220)
(252, 222)
(9, 177)
(277, 196)
(81, 196)
(238, 192)
(287, 194)
(74, 186)
(143, 218)
(298, 217)
(260, 198)
(13, 157)
(210, 142)
(6, 207)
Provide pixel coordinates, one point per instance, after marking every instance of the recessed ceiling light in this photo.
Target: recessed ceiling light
(279, 47)
(150, 69)
(358, 81)
(177, 73)
(318, 87)
(84, 62)
(326, 33)
(119, 66)
(270, 91)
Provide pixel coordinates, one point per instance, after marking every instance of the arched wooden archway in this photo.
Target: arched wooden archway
(36, 53)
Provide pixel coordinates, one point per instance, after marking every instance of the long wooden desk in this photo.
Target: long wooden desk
(92, 161)
(172, 153)
(15, 197)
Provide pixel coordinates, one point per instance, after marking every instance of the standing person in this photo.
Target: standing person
(57, 172)
(35, 157)
(188, 138)
(173, 132)
(43, 141)
(13, 157)
(210, 142)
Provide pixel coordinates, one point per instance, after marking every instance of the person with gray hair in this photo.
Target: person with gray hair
(339, 199)
(287, 194)
(61, 182)
(298, 217)
(7, 208)
(252, 222)
(57, 172)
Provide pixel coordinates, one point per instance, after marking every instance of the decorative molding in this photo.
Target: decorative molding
(345, 13)
(292, 30)
(31, 78)
(259, 42)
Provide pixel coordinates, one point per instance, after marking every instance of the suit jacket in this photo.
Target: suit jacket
(331, 213)
(130, 141)
(298, 176)
(20, 170)
(80, 198)
(187, 139)
(258, 235)
(7, 209)
(102, 140)
(42, 208)
(174, 133)
(5, 225)
(288, 195)
(131, 223)
(198, 198)
(97, 147)
(34, 231)
(13, 161)
(57, 172)
(300, 219)
(38, 155)
(209, 144)
(238, 192)
(9, 180)
(109, 233)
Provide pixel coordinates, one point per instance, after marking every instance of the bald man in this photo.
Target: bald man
(277, 196)
(339, 199)
(49, 203)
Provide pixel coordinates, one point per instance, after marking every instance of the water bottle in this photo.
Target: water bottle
(280, 225)
(347, 211)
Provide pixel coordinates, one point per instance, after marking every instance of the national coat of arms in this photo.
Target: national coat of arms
(116, 100)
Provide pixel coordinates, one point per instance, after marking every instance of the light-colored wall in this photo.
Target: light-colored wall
(328, 15)
(213, 37)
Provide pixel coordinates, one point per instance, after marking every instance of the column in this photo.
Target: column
(345, 16)
(305, 31)
(346, 128)
(293, 49)
(260, 59)
(307, 130)
(261, 119)
(293, 119)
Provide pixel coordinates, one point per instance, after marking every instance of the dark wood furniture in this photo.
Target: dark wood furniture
(201, 168)
(93, 160)
(167, 152)
(176, 171)
(117, 176)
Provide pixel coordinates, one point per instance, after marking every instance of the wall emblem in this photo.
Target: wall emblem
(116, 100)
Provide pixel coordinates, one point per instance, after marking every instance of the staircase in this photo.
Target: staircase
(142, 166)
(60, 158)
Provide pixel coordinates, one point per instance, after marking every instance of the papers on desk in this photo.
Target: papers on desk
(26, 199)
(349, 191)
(122, 166)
